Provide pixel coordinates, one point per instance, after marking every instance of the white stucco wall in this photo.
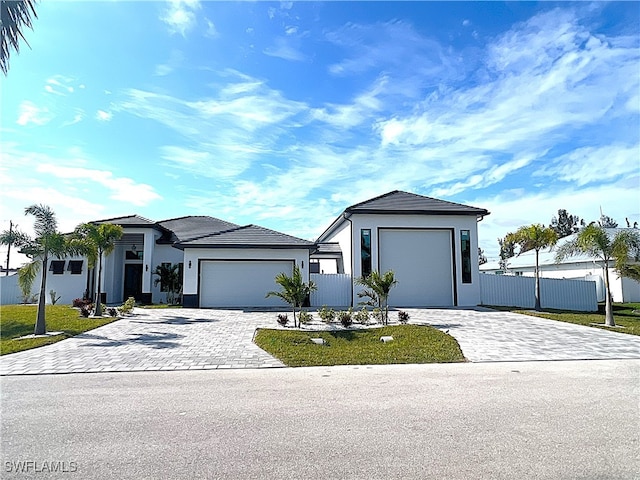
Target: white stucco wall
(468, 294)
(194, 255)
(67, 286)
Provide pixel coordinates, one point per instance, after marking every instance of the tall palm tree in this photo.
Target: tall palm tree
(15, 15)
(534, 237)
(294, 290)
(96, 242)
(12, 237)
(595, 241)
(47, 242)
(377, 289)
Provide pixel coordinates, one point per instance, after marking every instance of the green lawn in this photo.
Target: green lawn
(411, 344)
(19, 320)
(622, 314)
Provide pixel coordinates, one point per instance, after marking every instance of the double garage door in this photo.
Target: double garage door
(241, 283)
(422, 261)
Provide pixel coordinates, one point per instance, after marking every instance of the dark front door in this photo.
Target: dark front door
(132, 281)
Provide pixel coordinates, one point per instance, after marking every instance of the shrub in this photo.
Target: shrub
(304, 317)
(282, 319)
(80, 302)
(327, 315)
(54, 296)
(403, 316)
(362, 316)
(345, 318)
(127, 306)
(113, 312)
(377, 315)
(86, 310)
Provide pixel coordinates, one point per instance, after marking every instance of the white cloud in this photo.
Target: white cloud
(28, 113)
(122, 189)
(211, 32)
(103, 116)
(284, 49)
(180, 16)
(60, 85)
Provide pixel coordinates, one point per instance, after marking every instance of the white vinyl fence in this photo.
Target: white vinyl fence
(511, 291)
(9, 291)
(334, 289)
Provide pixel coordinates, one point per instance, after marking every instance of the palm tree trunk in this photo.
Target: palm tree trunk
(608, 311)
(41, 326)
(537, 289)
(98, 311)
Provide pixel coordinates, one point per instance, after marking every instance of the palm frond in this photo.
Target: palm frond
(15, 15)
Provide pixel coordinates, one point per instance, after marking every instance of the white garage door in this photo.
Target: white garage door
(422, 263)
(241, 283)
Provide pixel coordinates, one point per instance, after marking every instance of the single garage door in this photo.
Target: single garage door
(241, 283)
(422, 263)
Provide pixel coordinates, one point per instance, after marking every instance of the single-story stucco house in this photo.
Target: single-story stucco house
(430, 244)
(581, 267)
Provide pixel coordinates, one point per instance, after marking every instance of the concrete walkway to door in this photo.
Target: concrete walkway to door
(193, 339)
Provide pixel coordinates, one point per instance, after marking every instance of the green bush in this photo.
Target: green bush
(362, 316)
(327, 315)
(305, 317)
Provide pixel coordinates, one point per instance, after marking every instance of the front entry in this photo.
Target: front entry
(132, 281)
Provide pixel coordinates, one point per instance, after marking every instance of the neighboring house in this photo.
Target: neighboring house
(430, 244)
(573, 268)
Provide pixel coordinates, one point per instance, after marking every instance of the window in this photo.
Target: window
(465, 248)
(133, 255)
(57, 267)
(75, 267)
(314, 266)
(365, 252)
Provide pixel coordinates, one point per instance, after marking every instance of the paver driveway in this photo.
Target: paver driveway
(187, 339)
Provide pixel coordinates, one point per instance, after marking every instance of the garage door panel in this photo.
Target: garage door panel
(241, 283)
(422, 263)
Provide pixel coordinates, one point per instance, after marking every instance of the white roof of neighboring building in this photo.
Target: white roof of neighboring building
(528, 259)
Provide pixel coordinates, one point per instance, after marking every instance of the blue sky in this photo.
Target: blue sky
(283, 114)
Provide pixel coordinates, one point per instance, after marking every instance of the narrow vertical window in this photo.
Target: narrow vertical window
(365, 251)
(465, 248)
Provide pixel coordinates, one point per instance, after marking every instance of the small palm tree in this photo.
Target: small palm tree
(294, 290)
(594, 241)
(377, 289)
(96, 242)
(26, 275)
(169, 279)
(14, 15)
(47, 242)
(534, 237)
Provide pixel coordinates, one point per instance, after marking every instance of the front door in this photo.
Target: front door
(132, 280)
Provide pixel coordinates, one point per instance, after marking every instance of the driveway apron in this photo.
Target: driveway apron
(154, 339)
(490, 336)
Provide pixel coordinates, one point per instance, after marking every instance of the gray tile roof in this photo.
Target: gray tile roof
(185, 228)
(327, 249)
(129, 221)
(400, 202)
(248, 236)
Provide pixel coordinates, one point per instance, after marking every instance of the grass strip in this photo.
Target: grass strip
(411, 344)
(19, 320)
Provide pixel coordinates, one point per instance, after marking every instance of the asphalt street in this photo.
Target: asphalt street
(533, 420)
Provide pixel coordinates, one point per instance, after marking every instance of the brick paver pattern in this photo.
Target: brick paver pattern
(189, 339)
